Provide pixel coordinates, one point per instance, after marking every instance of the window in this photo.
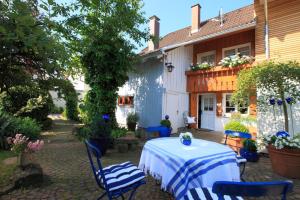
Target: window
(207, 57)
(229, 107)
(208, 104)
(244, 49)
(125, 100)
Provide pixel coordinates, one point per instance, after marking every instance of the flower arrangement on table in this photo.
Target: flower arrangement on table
(202, 66)
(20, 144)
(186, 138)
(236, 60)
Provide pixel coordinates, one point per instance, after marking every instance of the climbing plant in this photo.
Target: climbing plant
(271, 80)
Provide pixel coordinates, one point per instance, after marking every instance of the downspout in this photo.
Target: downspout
(267, 45)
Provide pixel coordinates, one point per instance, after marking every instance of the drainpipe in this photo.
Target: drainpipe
(267, 45)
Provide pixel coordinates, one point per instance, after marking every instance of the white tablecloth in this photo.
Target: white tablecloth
(180, 167)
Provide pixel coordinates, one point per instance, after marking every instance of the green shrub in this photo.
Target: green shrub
(119, 132)
(236, 126)
(57, 110)
(165, 122)
(83, 133)
(7, 128)
(132, 117)
(250, 145)
(28, 127)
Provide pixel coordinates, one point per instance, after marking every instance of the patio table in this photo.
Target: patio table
(180, 167)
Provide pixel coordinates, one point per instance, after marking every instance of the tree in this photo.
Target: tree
(103, 33)
(33, 57)
(271, 79)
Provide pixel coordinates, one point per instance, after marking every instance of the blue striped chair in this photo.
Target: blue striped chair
(115, 179)
(240, 160)
(226, 190)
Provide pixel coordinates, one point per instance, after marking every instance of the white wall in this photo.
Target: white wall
(175, 98)
(268, 125)
(146, 87)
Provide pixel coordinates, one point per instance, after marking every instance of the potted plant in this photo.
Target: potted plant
(284, 152)
(165, 123)
(249, 150)
(132, 119)
(235, 143)
(100, 134)
(21, 145)
(186, 138)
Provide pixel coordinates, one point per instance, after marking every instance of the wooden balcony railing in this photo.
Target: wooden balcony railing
(214, 80)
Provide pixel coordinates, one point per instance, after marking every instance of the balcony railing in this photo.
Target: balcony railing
(213, 80)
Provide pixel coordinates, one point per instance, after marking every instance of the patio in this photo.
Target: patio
(68, 174)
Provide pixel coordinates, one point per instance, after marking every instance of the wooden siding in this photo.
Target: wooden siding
(175, 97)
(224, 42)
(284, 30)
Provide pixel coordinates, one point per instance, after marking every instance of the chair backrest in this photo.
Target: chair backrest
(236, 134)
(94, 151)
(185, 116)
(252, 189)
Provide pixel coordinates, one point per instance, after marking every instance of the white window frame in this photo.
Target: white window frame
(236, 48)
(208, 53)
(236, 106)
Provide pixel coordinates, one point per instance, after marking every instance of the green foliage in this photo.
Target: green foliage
(273, 80)
(83, 133)
(118, 132)
(236, 126)
(103, 33)
(7, 129)
(202, 66)
(28, 127)
(10, 125)
(165, 122)
(132, 117)
(57, 110)
(100, 128)
(250, 145)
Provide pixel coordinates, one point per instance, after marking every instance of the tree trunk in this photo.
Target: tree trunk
(285, 113)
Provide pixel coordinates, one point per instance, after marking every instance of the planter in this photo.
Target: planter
(21, 160)
(285, 162)
(131, 126)
(101, 143)
(165, 131)
(235, 143)
(186, 142)
(250, 156)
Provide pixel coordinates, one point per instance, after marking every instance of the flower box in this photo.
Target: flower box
(285, 162)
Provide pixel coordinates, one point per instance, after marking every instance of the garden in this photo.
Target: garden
(45, 43)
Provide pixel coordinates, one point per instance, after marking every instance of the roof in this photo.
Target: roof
(233, 19)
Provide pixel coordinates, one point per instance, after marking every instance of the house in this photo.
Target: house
(268, 29)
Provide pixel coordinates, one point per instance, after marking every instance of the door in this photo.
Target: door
(172, 109)
(208, 113)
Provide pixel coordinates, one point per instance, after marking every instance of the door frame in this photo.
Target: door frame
(215, 107)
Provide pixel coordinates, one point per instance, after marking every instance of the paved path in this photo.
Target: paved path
(68, 174)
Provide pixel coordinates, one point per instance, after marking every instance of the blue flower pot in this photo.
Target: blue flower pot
(250, 156)
(186, 142)
(165, 131)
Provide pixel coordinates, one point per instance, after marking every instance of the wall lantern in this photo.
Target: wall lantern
(169, 66)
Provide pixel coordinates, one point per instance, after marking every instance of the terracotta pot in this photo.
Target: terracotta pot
(235, 143)
(285, 162)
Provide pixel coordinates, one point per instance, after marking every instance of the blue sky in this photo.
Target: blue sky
(176, 14)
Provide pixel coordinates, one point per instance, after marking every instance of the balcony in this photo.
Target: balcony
(217, 79)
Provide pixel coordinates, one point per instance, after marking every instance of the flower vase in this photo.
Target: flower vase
(21, 160)
(186, 142)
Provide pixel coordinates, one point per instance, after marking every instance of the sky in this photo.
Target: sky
(176, 14)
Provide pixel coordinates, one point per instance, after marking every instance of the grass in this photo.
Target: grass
(6, 170)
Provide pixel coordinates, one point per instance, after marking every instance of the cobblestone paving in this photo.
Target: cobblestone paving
(68, 174)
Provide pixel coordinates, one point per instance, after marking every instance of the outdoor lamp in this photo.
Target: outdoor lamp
(169, 66)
